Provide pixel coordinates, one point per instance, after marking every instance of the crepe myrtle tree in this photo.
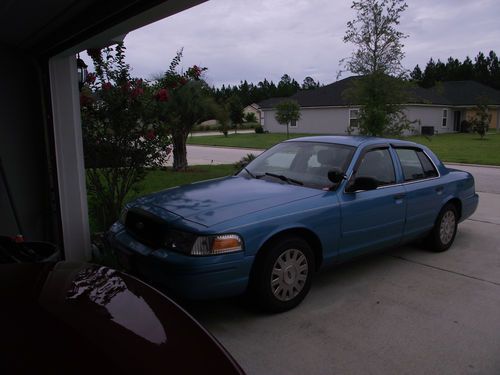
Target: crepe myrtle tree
(120, 138)
(286, 112)
(182, 101)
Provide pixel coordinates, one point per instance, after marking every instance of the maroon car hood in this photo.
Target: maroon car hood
(79, 318)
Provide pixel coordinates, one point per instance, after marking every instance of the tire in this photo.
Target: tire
(282, 275)
(445, 229)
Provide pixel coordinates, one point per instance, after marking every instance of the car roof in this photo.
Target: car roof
(353, 140)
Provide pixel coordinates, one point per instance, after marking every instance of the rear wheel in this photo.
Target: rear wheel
(282, 277)
(445, 229)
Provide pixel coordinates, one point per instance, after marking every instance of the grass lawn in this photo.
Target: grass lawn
(248, 140)
(458, 148)
(157, 179)
(463, 148)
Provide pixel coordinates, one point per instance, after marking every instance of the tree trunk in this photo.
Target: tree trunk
(180, 152)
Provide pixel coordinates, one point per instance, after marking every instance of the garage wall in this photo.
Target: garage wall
(22, 149)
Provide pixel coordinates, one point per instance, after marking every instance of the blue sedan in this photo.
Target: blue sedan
(299, 207)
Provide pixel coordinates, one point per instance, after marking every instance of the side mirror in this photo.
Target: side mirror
(362, 183)
(335, 175)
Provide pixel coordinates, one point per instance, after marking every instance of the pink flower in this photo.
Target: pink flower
(85, 99)
(90, 78)
(106, 86)
(126, 86)
(150, 135)
(173, 85)
(136, 92)
(162, 95)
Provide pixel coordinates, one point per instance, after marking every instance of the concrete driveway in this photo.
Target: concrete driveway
(406, 311)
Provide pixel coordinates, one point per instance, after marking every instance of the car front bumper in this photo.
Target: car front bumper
(191, 277)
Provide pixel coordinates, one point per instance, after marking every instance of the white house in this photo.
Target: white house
(440, 109)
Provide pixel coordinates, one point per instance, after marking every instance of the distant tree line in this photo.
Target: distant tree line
(484, 69)
(248, 93)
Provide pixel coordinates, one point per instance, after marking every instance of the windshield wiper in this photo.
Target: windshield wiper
(284, 178)
(250, 173)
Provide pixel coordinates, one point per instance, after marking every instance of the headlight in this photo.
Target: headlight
(191, 244)
(214, 245)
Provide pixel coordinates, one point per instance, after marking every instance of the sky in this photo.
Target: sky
(251, 40)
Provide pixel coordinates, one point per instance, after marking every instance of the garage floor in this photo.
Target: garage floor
(406, 311)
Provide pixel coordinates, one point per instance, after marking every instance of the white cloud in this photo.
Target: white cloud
(241, 40)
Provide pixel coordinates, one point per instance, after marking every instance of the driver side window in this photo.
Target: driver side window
(378, 164)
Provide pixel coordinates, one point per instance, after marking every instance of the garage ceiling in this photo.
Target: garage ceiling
(51, 26)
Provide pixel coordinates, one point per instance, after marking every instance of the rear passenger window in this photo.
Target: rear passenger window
(416, 165)
(377, 164)
(429, 169)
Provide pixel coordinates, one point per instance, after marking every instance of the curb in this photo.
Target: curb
(473, 165)
(230, 148)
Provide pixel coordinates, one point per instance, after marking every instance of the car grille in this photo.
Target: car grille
(146, 227)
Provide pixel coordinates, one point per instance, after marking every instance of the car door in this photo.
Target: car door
(372, 219)
(424, 192)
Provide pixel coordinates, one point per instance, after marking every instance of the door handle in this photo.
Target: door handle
(398, 197)
(439, 190)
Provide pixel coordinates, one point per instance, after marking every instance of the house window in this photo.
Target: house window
(293, 124)
(445, 118)
(353, 118)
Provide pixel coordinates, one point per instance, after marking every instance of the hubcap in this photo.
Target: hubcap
(289, 274)
(447, 228)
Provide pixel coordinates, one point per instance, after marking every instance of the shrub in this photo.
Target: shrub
(244, 161)
(250, 117)
(259, 129)
(481, 121)
(465, 126)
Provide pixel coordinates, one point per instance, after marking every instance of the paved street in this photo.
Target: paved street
(407, 311)
(216, 155)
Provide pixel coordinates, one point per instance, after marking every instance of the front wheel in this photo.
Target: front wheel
(282, 276)
(445, 229)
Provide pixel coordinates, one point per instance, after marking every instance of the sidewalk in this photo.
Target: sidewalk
(204, 134)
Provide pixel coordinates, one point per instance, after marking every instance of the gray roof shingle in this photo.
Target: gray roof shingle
(452, 93)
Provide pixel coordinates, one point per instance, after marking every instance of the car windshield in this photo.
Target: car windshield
(300, 163)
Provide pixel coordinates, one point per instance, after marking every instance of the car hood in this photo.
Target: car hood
(55, 316)
(211, 202)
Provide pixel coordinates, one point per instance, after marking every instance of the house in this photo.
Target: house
(252, 108)
(40, 130)
(440, 109)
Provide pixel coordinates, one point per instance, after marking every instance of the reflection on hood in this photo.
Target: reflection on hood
(106, 288)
